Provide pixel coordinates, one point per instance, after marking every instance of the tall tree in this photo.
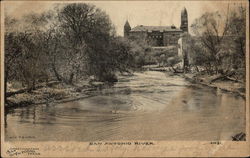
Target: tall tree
(211, 29)
(85, 33)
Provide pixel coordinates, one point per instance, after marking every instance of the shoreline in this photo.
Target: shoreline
(224, 86)
(57, 94)
(62, 93)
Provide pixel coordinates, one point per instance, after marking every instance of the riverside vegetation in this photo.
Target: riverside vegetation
(65, 53)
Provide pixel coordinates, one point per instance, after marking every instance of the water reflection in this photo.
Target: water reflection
(146, 106)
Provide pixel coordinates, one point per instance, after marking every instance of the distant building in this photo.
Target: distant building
(158, 36)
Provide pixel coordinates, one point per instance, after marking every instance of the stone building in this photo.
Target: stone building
(158, 36)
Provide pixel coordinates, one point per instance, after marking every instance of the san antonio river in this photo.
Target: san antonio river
(146, 106)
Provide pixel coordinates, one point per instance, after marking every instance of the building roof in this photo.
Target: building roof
(141, 28)
(184, 11)
(127, 24)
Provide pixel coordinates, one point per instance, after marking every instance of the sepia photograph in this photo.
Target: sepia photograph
(123, 73)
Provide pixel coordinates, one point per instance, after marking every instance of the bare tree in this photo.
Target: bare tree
(211, 29)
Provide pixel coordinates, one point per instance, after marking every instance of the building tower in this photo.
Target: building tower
(127, 28)
(184, 20)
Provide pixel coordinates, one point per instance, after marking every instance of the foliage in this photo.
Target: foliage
(24, 59)
(70, 43)
(142, 52)
(211, 30)
(219, 42)
(167, 56)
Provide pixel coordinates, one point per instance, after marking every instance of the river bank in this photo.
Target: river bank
(131, 110)
(217, 82)
(61, 93)
(53, 94)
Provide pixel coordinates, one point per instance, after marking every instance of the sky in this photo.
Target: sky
(153, 13)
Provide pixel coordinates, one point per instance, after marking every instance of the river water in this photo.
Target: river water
(146, 106)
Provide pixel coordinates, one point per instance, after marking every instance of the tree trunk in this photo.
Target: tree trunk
(56, 73)
(58, 77)
(71, 78)
(185, 63)
(208, 72)
(197, 69)
(174, 69)
(33, 84)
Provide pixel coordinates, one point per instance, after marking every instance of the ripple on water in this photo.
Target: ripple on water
(145, 106)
